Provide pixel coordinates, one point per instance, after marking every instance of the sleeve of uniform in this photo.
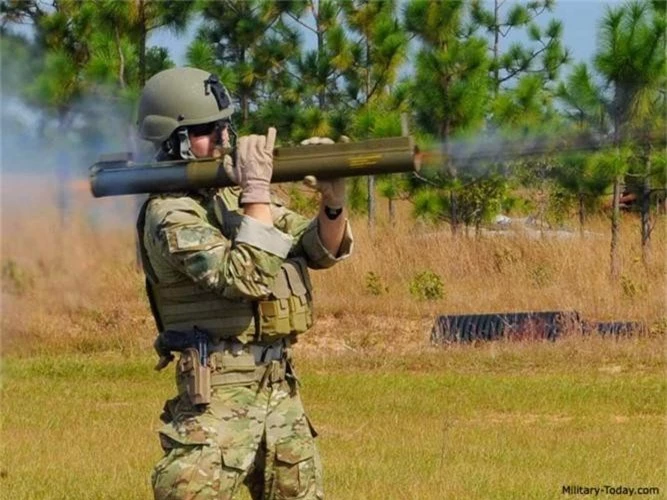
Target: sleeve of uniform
(307, 242)
(244, 268)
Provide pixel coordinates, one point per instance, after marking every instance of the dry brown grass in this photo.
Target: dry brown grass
(74, 287)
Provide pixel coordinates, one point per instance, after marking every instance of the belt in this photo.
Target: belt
(263, 353)
(239, 363)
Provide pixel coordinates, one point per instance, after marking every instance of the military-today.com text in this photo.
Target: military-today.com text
(607, 489)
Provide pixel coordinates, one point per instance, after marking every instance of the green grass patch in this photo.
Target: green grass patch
(501, 421)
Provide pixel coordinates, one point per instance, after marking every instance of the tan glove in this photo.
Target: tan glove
(254, 166)
(332, 190)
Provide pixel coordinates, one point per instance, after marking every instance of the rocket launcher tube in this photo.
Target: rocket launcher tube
(115, 176)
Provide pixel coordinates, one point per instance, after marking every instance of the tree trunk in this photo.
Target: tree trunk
(321, 96)
(405, 132)
(244, 109)
(453, 212)
(616, 203)
(142, 43)
(496, 47)
(245, 100)
(121, 61)
(615, 227)
(371, 179)
(453, 203)
(646, 214)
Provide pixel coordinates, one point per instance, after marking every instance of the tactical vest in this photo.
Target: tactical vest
(182, 306)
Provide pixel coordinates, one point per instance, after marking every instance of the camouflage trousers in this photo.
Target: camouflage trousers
(255, 435)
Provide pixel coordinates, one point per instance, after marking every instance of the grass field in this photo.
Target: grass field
(499, 421)
(398, 419)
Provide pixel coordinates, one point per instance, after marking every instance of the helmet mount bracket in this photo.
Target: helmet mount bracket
(212, 85)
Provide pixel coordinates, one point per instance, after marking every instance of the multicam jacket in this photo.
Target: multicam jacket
(211, 267)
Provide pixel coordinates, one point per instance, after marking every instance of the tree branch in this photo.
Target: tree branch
(299, 21)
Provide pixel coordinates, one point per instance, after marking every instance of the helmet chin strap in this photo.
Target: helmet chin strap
(178, 145)
(184, 146)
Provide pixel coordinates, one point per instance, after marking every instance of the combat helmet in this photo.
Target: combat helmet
(178, 98)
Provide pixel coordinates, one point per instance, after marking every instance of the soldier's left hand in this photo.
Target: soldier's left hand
(332, 190)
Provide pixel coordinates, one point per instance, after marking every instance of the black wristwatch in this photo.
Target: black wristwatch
(332, 213)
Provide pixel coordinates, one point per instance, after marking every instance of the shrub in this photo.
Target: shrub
(427, 285)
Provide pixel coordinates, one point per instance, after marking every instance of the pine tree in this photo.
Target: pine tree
(135, 20)
(378, 51)
(317, 71)
(631, 59)
(544, 56)
(451, 82)
(244, 42)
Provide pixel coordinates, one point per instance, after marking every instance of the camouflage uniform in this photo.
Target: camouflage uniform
(254, 431)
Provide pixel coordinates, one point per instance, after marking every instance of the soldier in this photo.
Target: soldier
(227, 279)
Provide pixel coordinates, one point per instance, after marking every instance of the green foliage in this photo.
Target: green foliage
(200, 54)
(157, 59)
(584, 100)
(311, 122)
(393, 186)
(379, 49)
(429, 204)
(58, 84)
(234, 39)
(542, 56)
(284, 117)
(427, 285)
(585, 174)
(348, 85)
(376, 120)
(93, 49)
(515, 204)
(317, 72)
(357, 194)
(450, 84)
(481, 199)
(559, 206)
(525, 108)
(631, 58)
(301, 201)
(374, 284)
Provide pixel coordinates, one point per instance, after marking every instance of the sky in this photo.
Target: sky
(580, 24)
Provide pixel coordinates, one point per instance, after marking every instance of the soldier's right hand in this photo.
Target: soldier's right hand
(332, 190)
(253, 167)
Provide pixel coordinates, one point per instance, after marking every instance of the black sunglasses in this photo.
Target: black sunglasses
(205, 128)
